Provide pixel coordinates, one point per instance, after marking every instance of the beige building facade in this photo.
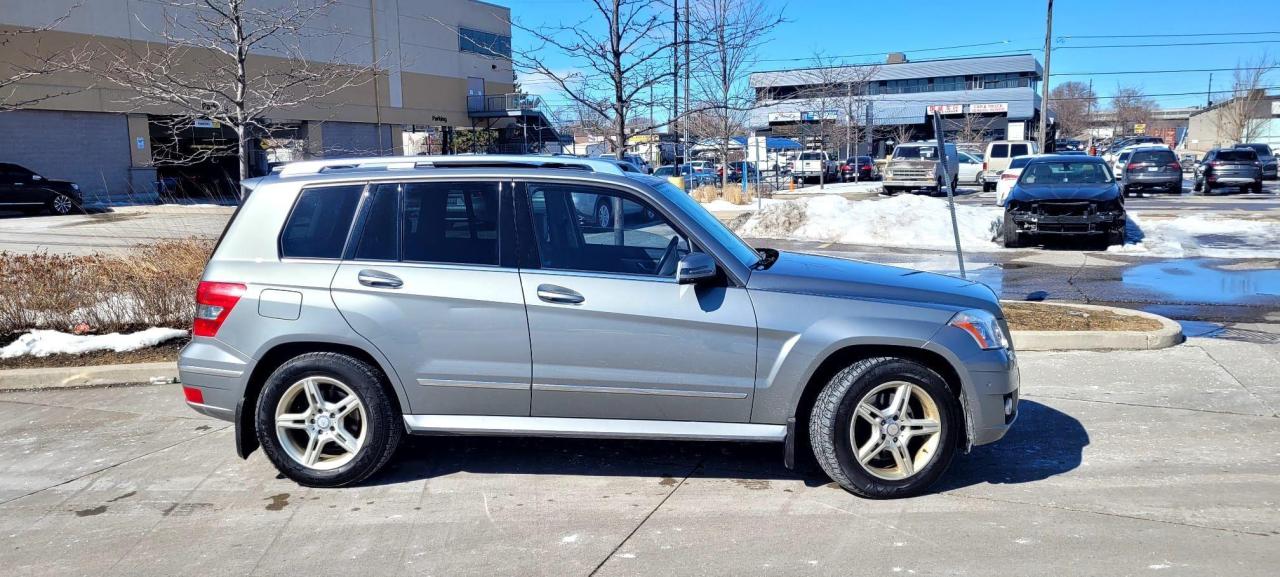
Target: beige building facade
(440, 65)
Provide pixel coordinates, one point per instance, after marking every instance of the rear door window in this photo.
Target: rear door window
(432, 222)
(320, 221)
(999, 151)
(1019, 150)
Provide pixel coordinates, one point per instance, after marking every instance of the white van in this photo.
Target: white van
(999, 153)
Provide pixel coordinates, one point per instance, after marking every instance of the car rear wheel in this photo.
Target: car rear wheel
(885, 427)
(1256, 188)
(326, 420)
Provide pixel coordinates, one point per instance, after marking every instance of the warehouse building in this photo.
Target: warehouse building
(996, 97)
(443, 67)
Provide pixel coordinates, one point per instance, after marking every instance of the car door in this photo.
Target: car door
(427, 280)
(17, 188)
(613, 334)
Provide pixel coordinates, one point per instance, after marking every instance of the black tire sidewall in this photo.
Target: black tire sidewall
(364, 380)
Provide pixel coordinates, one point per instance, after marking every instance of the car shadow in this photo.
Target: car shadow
(1043, 443)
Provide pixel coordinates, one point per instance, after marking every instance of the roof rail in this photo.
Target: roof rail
(449, 161)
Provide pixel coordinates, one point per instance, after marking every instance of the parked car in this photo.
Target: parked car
(999, 154)
(1067, 144)
(1009, 177)
(735, 171)
(813, 165)
(635, 160)
(1267, 157)
(1064, 195)
(858, 168)
(1150, 167)
(25, 191)
(970, 171)
(693, 178)
(1119, 145)
(1229, 167)
(914, 166)
(463, 305)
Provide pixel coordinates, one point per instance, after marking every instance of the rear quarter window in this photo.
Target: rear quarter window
(999, 151)
(318, 225)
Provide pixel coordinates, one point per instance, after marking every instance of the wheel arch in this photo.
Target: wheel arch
(845, 356)
(279, 354)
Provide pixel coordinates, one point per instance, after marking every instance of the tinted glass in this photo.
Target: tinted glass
(1238, 155)
(318, 225)
(999, 151)
(1070, 172)
(1155, 156)
(1261, 149)
(916, 152)
(707, 222)
(450, 222)
(1018, 149)
(486, 43)
(380, 238)
(664, 171)
(588, 229)
(1019, 162)
(810, 156)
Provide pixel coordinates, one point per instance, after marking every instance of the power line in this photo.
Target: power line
(937, 49)
(1179, 71)
(1189, 34)
(1167, 44)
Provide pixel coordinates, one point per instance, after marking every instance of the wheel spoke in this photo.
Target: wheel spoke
(344, 440)
(870, 413)
(902, 456)
(292, 421)
(901, 397)
(314, 445)
(314, 398)
(920, 427)
(345, 406)
(874, 446)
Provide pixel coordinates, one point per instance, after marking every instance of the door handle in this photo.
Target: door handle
(558, 294)
(379, 279)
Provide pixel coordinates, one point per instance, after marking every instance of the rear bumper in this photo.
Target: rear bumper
(1234, 179)
(218, 371)
(1162, 181)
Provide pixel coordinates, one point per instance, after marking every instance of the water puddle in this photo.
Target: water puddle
(1198, 280)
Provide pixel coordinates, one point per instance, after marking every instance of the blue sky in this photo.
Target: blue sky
(839, 28)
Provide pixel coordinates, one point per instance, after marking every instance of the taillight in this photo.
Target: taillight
(1216, 163)
(214, 301)
(1175, 166)
(1132, 166)
(984, 166)
(1007, 176)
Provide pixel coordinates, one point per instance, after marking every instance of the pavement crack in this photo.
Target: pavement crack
(1233, 376)
(192, 417)
(1146, 406)
(1108, 514)
(114, 465)
(635, 529)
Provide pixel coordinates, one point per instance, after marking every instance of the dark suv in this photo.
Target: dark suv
(24, 190)
(1229, 167)
(1151, 168)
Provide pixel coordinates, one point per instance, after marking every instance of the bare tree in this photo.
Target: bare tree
(1131, 107)
(22, 59)
(899, 133)
(614, 57)
(206, 66)
(1240, 118)
(973, 128)
(1072, 103)
(728, 34)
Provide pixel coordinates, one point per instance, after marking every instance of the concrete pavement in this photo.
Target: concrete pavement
(1125, 463)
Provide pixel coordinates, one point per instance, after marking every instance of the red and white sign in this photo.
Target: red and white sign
(989, 107)
(946, 108)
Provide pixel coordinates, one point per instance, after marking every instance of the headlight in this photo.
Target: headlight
(75, 187)
(983, 327)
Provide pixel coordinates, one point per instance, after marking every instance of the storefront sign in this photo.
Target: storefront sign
(784, 117)
(204, 123)
(1139, 129)
(986, 107)
(946, 109)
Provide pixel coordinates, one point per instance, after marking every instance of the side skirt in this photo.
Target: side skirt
(592, 428)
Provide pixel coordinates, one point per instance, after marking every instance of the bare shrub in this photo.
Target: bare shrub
(152, 286)
(705, 193)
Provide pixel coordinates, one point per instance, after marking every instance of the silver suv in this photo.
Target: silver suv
(350, 302)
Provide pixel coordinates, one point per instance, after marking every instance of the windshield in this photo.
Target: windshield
(712, 225)
(916, 152)
(811, 156)
(1065, 172)
(1238, 155)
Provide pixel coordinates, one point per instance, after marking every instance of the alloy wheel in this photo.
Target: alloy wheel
(62, 204)
(321, 423)
(895, 431)
(604, 216)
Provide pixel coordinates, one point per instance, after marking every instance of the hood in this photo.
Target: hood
(846, 278)
(1034, 192)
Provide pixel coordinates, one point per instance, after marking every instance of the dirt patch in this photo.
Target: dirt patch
(167, 351)
(1041, 317)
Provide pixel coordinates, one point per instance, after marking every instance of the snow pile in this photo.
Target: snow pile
(906, 221)
(1197, 235)
(43, 343)
(838, 188)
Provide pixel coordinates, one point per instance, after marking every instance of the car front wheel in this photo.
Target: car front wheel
(61, 204)
(885, 427)
(325, 420)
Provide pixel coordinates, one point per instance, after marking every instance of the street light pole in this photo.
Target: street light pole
(1044, 87)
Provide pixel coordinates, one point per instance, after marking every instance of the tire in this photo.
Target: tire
(1124, 191)
(988, 186)
(375, 418)
(1012, 236)
(1256, 188)
(836, 424)
(1208, 188)
(603, 214)
(61, 205)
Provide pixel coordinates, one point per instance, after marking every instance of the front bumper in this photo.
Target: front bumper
(990, 381)
(910, 183)
(1087, 221)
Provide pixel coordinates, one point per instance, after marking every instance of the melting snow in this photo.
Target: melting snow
(42, 343)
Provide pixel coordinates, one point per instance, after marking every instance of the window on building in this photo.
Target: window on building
(485, 43)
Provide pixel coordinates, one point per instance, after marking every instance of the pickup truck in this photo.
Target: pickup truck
(813, 165)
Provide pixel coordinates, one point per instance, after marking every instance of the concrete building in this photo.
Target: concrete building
(441, 67)
(1211, 126)
(997, 93)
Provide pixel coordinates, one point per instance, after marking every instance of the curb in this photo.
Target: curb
(1168, 335)
(91, 376)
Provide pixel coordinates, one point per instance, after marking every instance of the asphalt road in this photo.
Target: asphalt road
(1125, 463)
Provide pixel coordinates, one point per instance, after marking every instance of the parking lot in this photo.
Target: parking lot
(1125, 463)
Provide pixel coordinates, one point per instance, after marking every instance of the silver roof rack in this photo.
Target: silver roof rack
(306, 167)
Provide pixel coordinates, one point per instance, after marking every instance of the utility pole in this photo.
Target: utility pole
(1088, 116)
(1208, 94)
(1044, 90)
(687, 65)
(675, 77)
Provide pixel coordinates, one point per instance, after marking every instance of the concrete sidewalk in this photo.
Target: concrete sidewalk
(1122, 463)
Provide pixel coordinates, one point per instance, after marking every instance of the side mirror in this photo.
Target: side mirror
(36, 177)
(695, 267)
